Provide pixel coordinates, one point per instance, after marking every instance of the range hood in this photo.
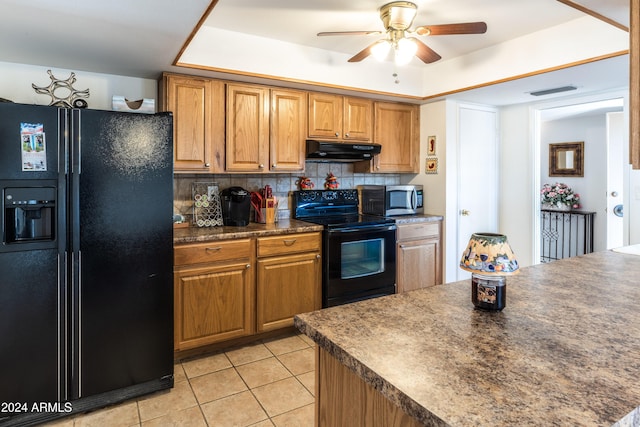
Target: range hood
(325, 151)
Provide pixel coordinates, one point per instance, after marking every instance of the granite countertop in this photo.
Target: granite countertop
(410, 219)
(283, 226)
(565, 351)
(208, 234)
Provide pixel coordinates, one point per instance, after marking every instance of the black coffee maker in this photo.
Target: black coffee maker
(236, 204)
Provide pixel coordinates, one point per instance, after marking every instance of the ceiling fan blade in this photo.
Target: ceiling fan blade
(448, 29)
(424, 52)
(363, 53)
(349, 33)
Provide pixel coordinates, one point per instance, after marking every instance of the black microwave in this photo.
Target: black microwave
(390, 200)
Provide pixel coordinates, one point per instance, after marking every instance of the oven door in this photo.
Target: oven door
(359, 263)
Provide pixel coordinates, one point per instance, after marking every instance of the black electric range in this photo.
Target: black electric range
(359, 254)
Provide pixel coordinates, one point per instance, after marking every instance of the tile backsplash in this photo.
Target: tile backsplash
(283, 184)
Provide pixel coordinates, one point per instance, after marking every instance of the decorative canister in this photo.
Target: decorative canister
(488, 292)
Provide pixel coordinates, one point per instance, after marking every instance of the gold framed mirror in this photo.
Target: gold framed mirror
(566, 159)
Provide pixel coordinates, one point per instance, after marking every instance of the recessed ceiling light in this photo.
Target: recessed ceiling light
(554, 90)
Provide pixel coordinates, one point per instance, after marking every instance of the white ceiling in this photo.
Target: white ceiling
(141, 38)
(300, 21)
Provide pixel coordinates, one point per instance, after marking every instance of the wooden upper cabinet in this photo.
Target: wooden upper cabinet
(397, 129)
(247, 128)
(340, 117)
(358, 119)
(198, 122)
(288, 130)
(325, 116)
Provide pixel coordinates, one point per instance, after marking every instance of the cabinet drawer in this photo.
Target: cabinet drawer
(419, 230)
(212, 251)
(292, 243)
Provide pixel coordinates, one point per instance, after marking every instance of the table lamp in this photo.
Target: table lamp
(489, 258)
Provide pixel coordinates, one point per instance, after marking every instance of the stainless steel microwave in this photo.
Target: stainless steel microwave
(389, 200)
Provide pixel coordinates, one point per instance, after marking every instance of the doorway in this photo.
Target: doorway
(599, 122)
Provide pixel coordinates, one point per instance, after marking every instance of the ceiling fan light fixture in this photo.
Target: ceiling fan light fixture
(380, 50)
(405, 51)
(398, 14)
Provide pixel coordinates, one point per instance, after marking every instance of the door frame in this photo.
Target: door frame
(535, 114)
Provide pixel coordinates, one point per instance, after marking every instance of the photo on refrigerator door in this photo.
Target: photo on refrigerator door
(34, 148)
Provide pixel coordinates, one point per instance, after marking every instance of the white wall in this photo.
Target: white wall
(16, 81)
(433, 122)
(593, 186)
(517, 189)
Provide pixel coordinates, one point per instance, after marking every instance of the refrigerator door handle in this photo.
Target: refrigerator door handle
(76, 324)
(76, 141)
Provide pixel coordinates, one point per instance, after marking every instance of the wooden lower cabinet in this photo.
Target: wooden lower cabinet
(418, 256)
(344, 399)
(212, 304)
(286, 286)
(236, 288)
(214, 292)
(289, 282)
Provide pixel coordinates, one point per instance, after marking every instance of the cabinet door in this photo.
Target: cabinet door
(325, 116)
(247, 147)
(397, 129)
(198, 122)
(358, 119)
(287, 285)
(418, 264)
(213, 304)
(288, 130)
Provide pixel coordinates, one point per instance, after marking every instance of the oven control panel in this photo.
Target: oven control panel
(327, 196)
(312, 203)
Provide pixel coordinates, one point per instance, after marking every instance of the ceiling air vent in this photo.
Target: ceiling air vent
(554, 90)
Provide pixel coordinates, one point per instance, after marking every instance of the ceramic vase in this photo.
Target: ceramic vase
(559, 207)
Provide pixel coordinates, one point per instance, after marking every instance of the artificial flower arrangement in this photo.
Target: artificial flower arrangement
(559, 196)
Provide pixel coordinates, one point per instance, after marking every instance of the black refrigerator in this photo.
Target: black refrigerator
(86, 287)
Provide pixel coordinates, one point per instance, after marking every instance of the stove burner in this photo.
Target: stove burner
(333, 209)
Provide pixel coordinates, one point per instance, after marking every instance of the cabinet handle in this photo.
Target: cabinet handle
(318, 256)
(273, 165)
(207, 165)
(337, 133)
(289, 242)
(216, 249)
(346, 135)
(261, 166)
(248, 266)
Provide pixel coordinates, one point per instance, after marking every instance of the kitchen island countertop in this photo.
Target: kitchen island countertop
(564, 351)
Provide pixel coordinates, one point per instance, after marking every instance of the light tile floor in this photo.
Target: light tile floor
(267, 383)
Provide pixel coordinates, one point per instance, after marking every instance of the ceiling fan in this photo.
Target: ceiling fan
(397, 18)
